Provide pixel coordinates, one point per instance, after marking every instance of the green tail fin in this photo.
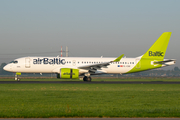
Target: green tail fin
(158, 49)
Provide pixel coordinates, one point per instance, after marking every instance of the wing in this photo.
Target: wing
(93, 68)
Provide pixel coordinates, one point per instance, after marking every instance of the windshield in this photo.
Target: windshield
(15, 62)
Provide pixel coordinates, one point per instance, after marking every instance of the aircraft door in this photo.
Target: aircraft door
(138, 64)
(27, 63)
(74, 62)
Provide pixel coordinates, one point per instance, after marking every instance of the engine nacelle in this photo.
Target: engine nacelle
(68, 73)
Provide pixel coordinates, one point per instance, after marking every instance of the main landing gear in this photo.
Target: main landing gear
(86, 78)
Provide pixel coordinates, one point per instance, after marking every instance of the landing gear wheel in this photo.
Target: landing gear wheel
(88, 79)
(84, 78)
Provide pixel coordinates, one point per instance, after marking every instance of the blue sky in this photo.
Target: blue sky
(92, 28)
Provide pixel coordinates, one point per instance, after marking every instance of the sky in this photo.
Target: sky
(90, 28)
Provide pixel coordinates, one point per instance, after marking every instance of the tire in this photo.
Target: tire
(85, 78)
(88, 79)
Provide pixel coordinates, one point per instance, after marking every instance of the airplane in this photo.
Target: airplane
(73, 67)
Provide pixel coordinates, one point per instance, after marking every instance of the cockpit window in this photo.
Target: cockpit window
(15, 62)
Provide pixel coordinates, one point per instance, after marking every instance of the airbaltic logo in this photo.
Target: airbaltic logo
(156, 53)
(49, 61)
(68, 73)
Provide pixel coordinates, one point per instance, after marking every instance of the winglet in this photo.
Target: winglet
(118, 59)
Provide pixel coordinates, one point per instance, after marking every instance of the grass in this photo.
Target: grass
(89, 100)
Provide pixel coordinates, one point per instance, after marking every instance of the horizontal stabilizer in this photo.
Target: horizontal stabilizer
(164, 62)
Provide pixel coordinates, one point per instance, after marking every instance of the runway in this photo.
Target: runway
(82, 82)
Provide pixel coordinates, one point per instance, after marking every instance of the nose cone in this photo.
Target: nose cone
(6, 68)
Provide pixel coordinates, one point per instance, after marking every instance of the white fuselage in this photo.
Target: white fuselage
(54, 64)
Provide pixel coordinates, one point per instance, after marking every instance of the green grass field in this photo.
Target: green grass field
(89, 100)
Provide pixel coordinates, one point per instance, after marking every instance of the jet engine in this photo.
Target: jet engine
(68, 73)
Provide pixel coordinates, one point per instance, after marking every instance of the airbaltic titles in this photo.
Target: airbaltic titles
(49, 61)
(157, 53)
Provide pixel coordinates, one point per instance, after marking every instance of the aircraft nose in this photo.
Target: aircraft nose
(6, 68)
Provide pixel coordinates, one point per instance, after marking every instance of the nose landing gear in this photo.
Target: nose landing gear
(17, 78)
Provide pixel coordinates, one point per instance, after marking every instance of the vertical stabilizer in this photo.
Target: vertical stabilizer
(154, 55)
(158, 49)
